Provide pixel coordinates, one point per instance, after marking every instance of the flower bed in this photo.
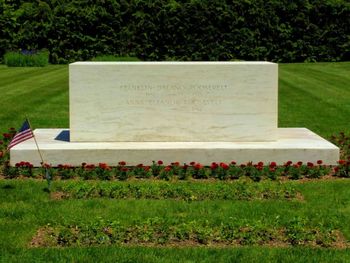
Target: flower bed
(181, 190)
(158, 231)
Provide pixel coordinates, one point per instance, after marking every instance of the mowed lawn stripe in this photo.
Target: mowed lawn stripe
(24, 78)
(42, 97)
(319, 82)
(9, 75)
(38, 81)
(315, 96)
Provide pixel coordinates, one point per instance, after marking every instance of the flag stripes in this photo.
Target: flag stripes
(23, 134)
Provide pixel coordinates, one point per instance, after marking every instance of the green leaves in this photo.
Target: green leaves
(179, 30)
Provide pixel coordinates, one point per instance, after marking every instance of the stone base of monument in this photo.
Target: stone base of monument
(294, 144)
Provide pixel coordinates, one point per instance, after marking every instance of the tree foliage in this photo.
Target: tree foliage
(275, 30)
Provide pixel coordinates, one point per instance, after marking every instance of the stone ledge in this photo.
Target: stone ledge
(294, 144)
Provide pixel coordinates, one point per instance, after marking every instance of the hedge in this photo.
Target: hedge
(274, 30)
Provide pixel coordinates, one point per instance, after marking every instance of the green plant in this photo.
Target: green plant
(254, 171)
(298, 233)
(316, 170)
(104, 171)
(342, 140)
(10, 171)
(166, 173)
(343, 169)
(65, 171)
(24, 168)
(142, 171)
(26, 58)
(87, 171)
(122, 172)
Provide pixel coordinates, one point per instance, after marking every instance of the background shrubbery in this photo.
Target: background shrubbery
(276, 30)
(26, 59)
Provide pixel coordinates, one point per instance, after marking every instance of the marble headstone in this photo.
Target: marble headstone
(173, 101)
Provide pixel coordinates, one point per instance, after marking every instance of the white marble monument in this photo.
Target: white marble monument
(174, 111)
(173, 102)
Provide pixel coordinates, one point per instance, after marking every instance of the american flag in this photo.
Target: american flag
(23, 134)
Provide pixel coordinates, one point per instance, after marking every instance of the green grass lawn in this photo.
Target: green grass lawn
(315, 96)
(24, 207)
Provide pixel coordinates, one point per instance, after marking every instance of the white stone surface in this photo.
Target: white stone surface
(173, 101)
(295, 144)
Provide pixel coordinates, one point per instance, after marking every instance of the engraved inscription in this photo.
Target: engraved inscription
(191, 87)
(195, 95)
(172, 102)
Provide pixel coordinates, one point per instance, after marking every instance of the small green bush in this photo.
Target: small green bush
(27, 58)
(114, 58)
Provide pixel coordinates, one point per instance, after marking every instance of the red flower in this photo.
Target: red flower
(139, 165)
(224, 166)
(7, 135)
(185, 166)
(319, 162)
(175, 164)
(90, 166)
(342, 162)
(289, 163)
(243, 165)
(310, 164)
(192, 163)
(160, 162)
(260, 164)
(198, 166)
(214, 165)
(122, 163)
(1, 154)
(300, 163)
(233, 163)
(46, 165)
(104, 166)
(83, 165)
(273, 164)
(1, 142)
(67, 166)
(167, 168)
(336, 169)
(146, 168)
(124, 169)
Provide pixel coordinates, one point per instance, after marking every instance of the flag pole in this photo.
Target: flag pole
(36, 143)
(47, 172)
